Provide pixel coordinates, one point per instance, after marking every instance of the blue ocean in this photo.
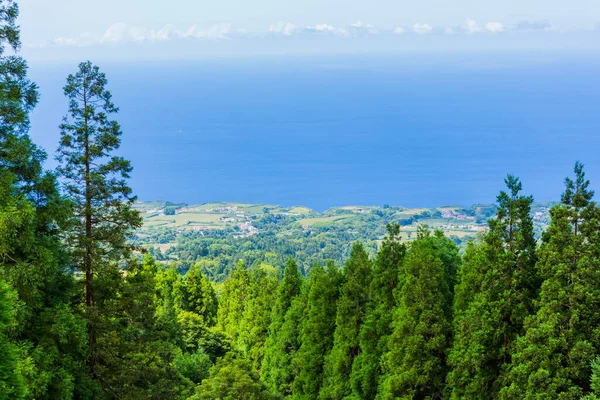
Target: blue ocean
(416, 130)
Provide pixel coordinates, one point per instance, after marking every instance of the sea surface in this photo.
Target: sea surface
(415, 129)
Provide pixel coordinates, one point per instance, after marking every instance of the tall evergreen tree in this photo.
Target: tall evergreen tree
(351, 312)
(32, 214)
(11, 380)
(415, 363)
(236, 290)
(277, 351)
(377, 326)
(135, 360)
(256, 319)
(552, 358)
(498, 286)
(18, 97)
(197, 295)
(232, 378)
(96, 182)
(316, 331)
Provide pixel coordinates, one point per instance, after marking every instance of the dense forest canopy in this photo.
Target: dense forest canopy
(86, 313)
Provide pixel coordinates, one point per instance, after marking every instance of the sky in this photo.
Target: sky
(191, 28)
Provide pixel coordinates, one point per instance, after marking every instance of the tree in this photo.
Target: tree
(316, 332)
(134, 357)
(256, 319)
(498, 287)
(375, 330)
(594, 381)
(96, 182)
(553, 356)
(277, 352)
(232, 378)
(415, 363)
(11, 381)
(32, 215)
(233, 299)
(197, 295)
(18, 97)
(351, 311)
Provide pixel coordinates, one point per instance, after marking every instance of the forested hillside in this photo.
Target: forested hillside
(216, 236)
(87, 313)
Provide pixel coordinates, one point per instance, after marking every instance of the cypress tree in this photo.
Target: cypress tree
(498, 286)
(96, 182)
(256, 319)
(197, 295)
(277, 351)
(11, 380)
(236, 291)
(316, 332)
(351, 312)
(376, 328)
(415, 363)
(552, 358)
(134, 356)
(51, 338)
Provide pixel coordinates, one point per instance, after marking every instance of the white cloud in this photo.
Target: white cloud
(325, 29)
(215, 32)
(422, 29)
(360, 28)
(283, 28)
(494, 27)
(120, 33)
(470, 26)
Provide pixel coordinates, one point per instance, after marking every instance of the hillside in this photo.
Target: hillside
(222, 234)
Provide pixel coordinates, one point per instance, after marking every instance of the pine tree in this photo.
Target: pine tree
(277, 351)
(96, 183)
(498, 286)
(351, 312)
(316, 332)
(374, 331)
(415, 363)
(552, 358)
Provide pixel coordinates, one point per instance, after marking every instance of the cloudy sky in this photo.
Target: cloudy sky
(199, 27)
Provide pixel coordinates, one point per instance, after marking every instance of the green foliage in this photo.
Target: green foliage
(376, 328)
(351, 312)
(497, 288)
(415, 363)
(197, 295)
(95, 181)
(514, 321)
(133, 357)
(552, 358)
(193, 366)
(11, 380)
(316, 332)
(282, 341)
(232, 378)
(236, 291)
(256, 318)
